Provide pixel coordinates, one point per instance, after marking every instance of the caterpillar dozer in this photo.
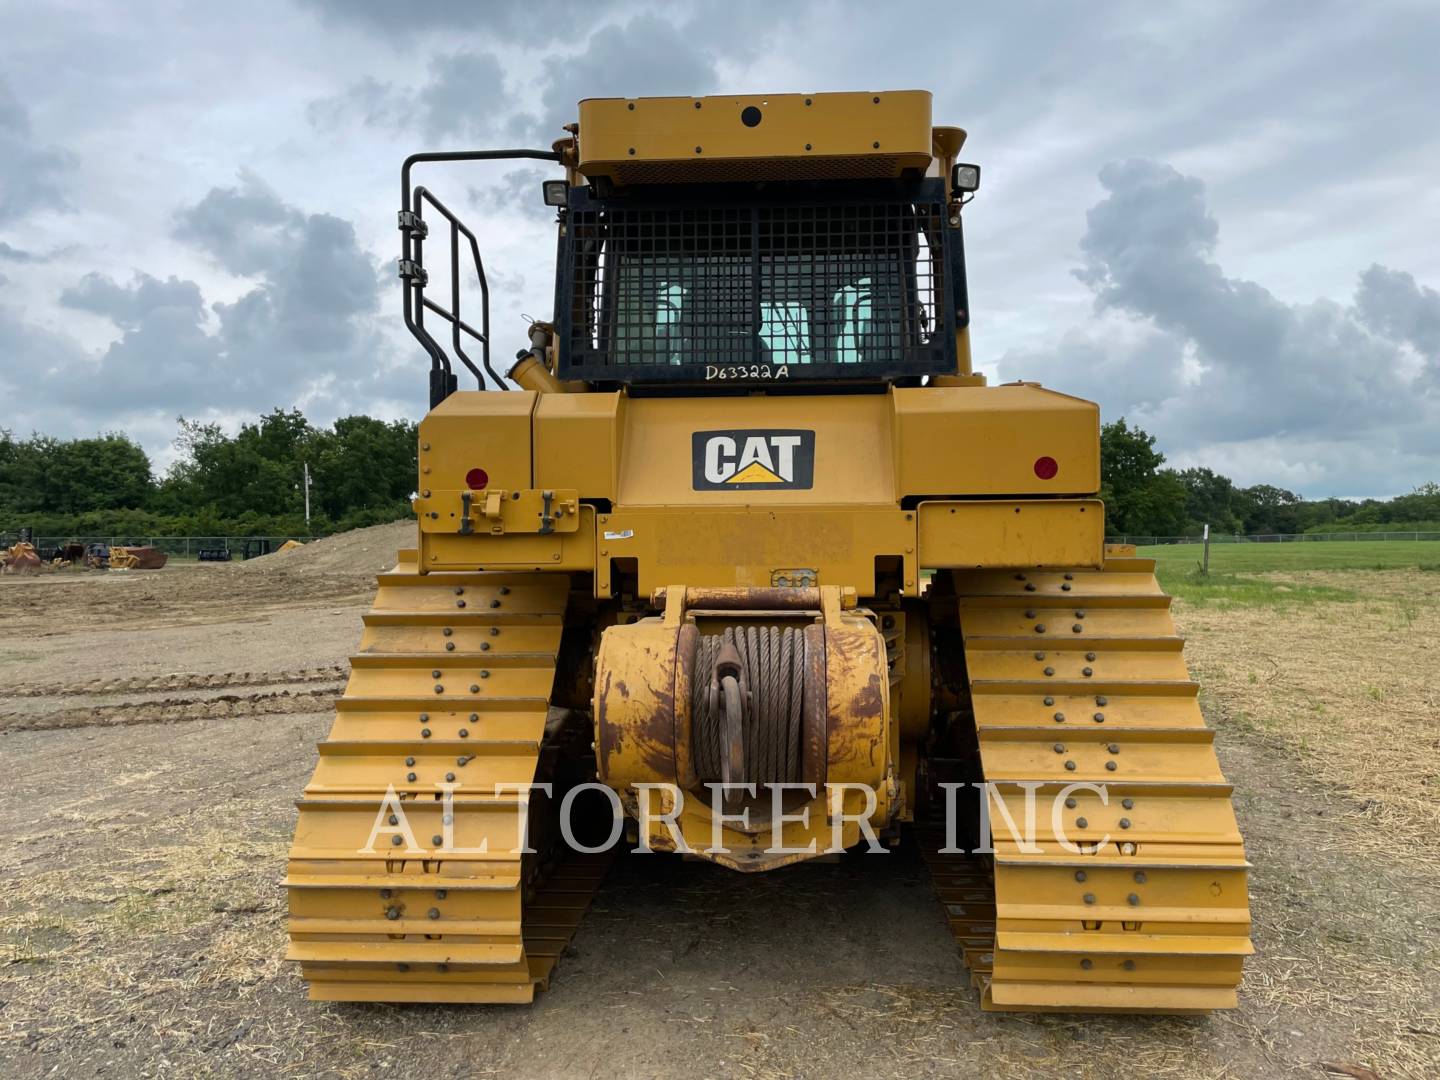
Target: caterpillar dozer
(743, 560)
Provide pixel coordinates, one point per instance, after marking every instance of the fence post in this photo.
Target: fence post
(1205, 567)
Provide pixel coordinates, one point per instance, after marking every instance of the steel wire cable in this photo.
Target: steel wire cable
(773, 658)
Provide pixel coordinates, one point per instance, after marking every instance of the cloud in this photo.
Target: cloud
(1209, 362)
(14, 254)
(129, 306)
(646, 56)
(32, 177)
(463, 97)
(532, 21)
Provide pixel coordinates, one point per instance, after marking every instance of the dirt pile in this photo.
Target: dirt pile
(360, 553)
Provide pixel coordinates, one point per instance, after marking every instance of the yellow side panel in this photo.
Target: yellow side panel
(745, 546)
(986, 441)
(569, 551)
(853, 451)
(575, 443)
(1068, 532)
(473, 429)
(874, 133)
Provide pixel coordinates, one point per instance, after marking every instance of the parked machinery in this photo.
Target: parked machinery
(752, 518)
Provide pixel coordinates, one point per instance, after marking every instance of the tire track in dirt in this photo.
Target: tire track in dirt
(190, 698)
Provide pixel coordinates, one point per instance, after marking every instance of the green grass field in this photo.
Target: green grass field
(1240, 573)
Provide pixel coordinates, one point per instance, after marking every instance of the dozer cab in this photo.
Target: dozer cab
(742, 560)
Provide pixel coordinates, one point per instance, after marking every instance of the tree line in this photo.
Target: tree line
(249, 484)
(1143, 499)
(363, 473)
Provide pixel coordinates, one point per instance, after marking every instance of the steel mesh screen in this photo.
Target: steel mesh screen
(856, 285)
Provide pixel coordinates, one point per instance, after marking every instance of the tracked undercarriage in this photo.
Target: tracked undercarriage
(752, 567)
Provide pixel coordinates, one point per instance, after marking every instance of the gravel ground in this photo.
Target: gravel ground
(156, 729)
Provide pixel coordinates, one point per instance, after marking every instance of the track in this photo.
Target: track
(451, 685)
(1079, 677)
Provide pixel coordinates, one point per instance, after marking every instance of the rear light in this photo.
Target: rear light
(476, 479)
(1046, 468)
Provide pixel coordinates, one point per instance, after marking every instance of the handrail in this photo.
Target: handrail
(413, 276)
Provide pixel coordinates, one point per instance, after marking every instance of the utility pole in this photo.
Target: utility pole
(307, 496)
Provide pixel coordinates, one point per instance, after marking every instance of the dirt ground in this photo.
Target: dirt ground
(157, 727)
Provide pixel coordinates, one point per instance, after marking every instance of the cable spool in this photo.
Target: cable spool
(774, 661)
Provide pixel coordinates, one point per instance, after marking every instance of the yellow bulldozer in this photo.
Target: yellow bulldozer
(742, 560)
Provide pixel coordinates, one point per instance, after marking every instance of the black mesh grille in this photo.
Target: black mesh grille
(848, 289)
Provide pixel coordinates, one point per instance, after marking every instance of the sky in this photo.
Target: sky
(1219, 220)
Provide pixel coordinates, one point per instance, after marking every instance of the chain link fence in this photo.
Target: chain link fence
(1273, 538)
(177, 547)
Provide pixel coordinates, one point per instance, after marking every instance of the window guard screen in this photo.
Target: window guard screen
(852, 289)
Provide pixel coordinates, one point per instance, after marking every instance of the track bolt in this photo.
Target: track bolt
(464, 759)
(1082, 823)
(1049, 671)
(437, 841)
(1089, 898)
(409, 761)
(1059, 718)
(1087, 963)
(395, 841)
(504, 590)
(1065, 586)
(385, 894)
(447, 632)
(425, 733)
(449, 777)
(1102, 700)
(1087, 672)
(424, 717)
(1029, 613)
(459, 590)
(1019, 577)
(392, 913)
(1114, 748)
(459, 603)
(1069, 766)
(1029, 587)
(1077, 628)
(1109, 766)
(484, 674)
(1099, 718)
(1049, 700)
(474, 717)
(439, 689)
(394, 820)
(1039, 656)
(402, 967)
(449, 646)
(484, 646)
(1124, 823)
(494, 631)
(1134, 899)
(1080, 613)
(494, 603)
(1059, 748)
(447, 819)
(1070, 803)
(1039, 628)
(410, 777)
(435, 674)
(1129, 965)
(1069, 577)
(1140, 877)
(439, 894)
(434, 913)
(1080, 875)
(1090, 656)
(474, 688)
(1128, 804)
(464, 733)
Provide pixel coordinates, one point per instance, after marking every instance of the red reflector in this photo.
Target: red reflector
(1046, 468)
(476, 479)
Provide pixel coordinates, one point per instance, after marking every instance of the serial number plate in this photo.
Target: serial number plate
(747, 371)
